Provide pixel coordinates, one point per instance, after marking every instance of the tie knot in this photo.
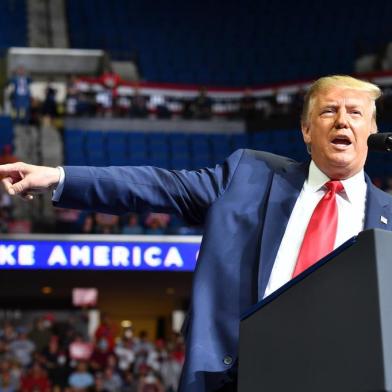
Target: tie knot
(334, 186)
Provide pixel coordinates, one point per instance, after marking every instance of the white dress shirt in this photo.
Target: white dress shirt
(351, 216)
(60, 186)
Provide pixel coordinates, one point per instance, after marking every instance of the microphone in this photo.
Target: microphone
(381, 142)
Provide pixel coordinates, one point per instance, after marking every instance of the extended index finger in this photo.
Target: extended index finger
(9, 168)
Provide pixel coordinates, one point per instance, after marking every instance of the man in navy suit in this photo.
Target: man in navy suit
(255, 208)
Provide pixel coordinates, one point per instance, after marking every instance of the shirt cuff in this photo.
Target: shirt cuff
(57, 192)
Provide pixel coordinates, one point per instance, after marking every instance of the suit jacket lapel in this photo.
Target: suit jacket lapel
(285, 188)
(378, 210)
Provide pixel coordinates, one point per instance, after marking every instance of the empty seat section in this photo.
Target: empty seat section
(261, 141)
(137, 148)
(158, 150)
(200, 151)
(179, 151)
(240, 140)
(220, 147)
(6, 131)
(74, 151)
(96, 148)
(117, 148)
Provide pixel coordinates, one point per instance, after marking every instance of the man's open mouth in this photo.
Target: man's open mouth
(341, 140)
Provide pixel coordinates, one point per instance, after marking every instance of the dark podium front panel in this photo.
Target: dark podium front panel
(331, 330)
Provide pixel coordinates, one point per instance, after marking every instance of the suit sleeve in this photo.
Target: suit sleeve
(118, 190)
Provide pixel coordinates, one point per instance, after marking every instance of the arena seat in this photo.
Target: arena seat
(137, 148)
(13, 24)
(117, 149)
(96, 148)
(6, 134)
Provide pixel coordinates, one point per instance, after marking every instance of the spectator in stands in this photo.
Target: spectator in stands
(112, 381)
(170, 371)
(4, 355)
(125, 353)
(8, 333)
(156, 223)
(55, 361)
(247, 109)
(150, 383)
(138, 104)
(20, 95)
(36, 379)
(297, 102)
(142, 348)
(49, 106)
(132, 226)
(107, 331)
(67, 220)
(106, 223)
(81, 379)
(72, 96)
(106, 99)
(87, 223)
(157, 356)
(110, 79)
(123, 106)
(9, 379)
(202, 106)
(161, 106)
(100, 355)
(129, 382)
(40, 334)
(98, 384)
(22, 348)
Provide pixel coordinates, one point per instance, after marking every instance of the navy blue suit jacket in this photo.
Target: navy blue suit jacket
(244, 205)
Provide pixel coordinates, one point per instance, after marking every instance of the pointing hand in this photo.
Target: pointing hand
(23, 179)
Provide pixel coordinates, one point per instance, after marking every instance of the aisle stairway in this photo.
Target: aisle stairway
(47, 27)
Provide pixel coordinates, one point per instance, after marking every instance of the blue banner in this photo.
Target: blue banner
(99, 255)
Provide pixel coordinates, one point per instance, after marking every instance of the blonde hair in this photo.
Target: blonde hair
(343, 81)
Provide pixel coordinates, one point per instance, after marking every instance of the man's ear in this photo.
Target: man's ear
(305, 128)
(374, 127)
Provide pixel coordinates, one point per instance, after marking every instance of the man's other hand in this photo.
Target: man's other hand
(24, 180)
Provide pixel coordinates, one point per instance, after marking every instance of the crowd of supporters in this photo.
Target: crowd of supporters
(59, 356)
(78, 222)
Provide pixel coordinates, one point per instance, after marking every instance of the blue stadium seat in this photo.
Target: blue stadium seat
(6, 131)
(117, 148)
(95, 147)
(260, 140)
(220, 147)
(240, 140)
(74, 149)
(137, 148)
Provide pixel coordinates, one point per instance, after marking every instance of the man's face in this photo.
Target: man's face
(337, 129)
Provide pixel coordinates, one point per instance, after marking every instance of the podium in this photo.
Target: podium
(330, 329)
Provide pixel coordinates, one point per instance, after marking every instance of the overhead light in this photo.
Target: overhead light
(46, 290)
(126, 323)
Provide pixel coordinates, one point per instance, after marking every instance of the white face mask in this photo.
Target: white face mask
(61, 360)
(103, 344)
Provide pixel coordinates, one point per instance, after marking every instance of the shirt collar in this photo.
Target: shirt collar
(354, 187)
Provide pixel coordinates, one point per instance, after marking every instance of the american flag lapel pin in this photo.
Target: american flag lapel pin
(383, 220)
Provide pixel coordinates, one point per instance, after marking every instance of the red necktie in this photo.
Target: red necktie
(320, 234)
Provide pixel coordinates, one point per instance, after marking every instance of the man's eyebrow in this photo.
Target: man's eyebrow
(335, 103)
